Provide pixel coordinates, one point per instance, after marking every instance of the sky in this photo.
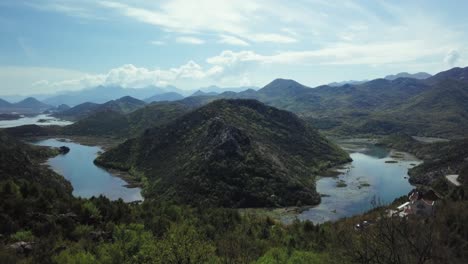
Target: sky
(49, 46)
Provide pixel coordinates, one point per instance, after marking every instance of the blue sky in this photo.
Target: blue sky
(55, 45)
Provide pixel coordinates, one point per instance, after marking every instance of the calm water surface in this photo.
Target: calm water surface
(387, 181)
(86, 178)
(47, 121)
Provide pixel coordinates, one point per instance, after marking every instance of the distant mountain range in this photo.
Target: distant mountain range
(419, 76)
(202, 93)
(102, 94)
(122, 105)
(169, 96)
(29, 105)
(379, 106)
(435, 106)
(217, 89)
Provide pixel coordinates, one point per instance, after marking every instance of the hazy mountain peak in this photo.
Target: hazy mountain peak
(202, 93)
(4, 103)
(169, 96)
(31, 102)
(419, 75)
(129, 99)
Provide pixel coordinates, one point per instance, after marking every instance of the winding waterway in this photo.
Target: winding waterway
(375, 177)
(42, 120)
(86, 178)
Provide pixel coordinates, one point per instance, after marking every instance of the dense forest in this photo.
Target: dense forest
(270, 157)
(41, 222)
(230, 153)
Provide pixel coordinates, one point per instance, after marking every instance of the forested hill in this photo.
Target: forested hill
(429, 107)
(235, 153)
(379, 106)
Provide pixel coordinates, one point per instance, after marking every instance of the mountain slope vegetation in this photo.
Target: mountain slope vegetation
(379, 106)
(108, 122)
(235, 153)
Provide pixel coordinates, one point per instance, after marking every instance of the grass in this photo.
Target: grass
(341, 184)
(363, 184)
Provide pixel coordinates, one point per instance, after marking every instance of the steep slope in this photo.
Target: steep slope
(439, 111)
(282, 87)
(19, 161)
(432, 106)
(108, 122)
(32, 103)
(105, 122)
(4, 103)
(29, 105)
(460, 74)
(170, 96)
(78, 112)
(235, 153)
(123, 105)
(202, 93)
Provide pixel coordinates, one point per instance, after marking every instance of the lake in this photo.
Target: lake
(42, 120)
(365, 179)
(86, 178)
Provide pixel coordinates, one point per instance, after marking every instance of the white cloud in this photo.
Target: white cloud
(452, 58)
(28, 80)
(230, 58)
(231, 40)
(233, 20)
(190, 40)
(274, 38)
(339, 54)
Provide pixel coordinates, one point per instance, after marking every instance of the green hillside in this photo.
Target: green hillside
(117, 124)
(236, 153)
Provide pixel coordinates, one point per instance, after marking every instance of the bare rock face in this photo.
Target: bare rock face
(22, 247)
(225, 141)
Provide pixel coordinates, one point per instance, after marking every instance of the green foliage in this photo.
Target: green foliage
(22, 235)
(70, 257)
(440, 159)
(125, 124)
(90, 210)
(282, 256)
(183, 244)
(233, 153)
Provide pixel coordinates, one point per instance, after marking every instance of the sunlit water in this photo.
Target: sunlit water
(86, 178)
(42, 120)
(387, 181)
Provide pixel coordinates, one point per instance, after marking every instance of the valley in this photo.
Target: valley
(256, 168)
